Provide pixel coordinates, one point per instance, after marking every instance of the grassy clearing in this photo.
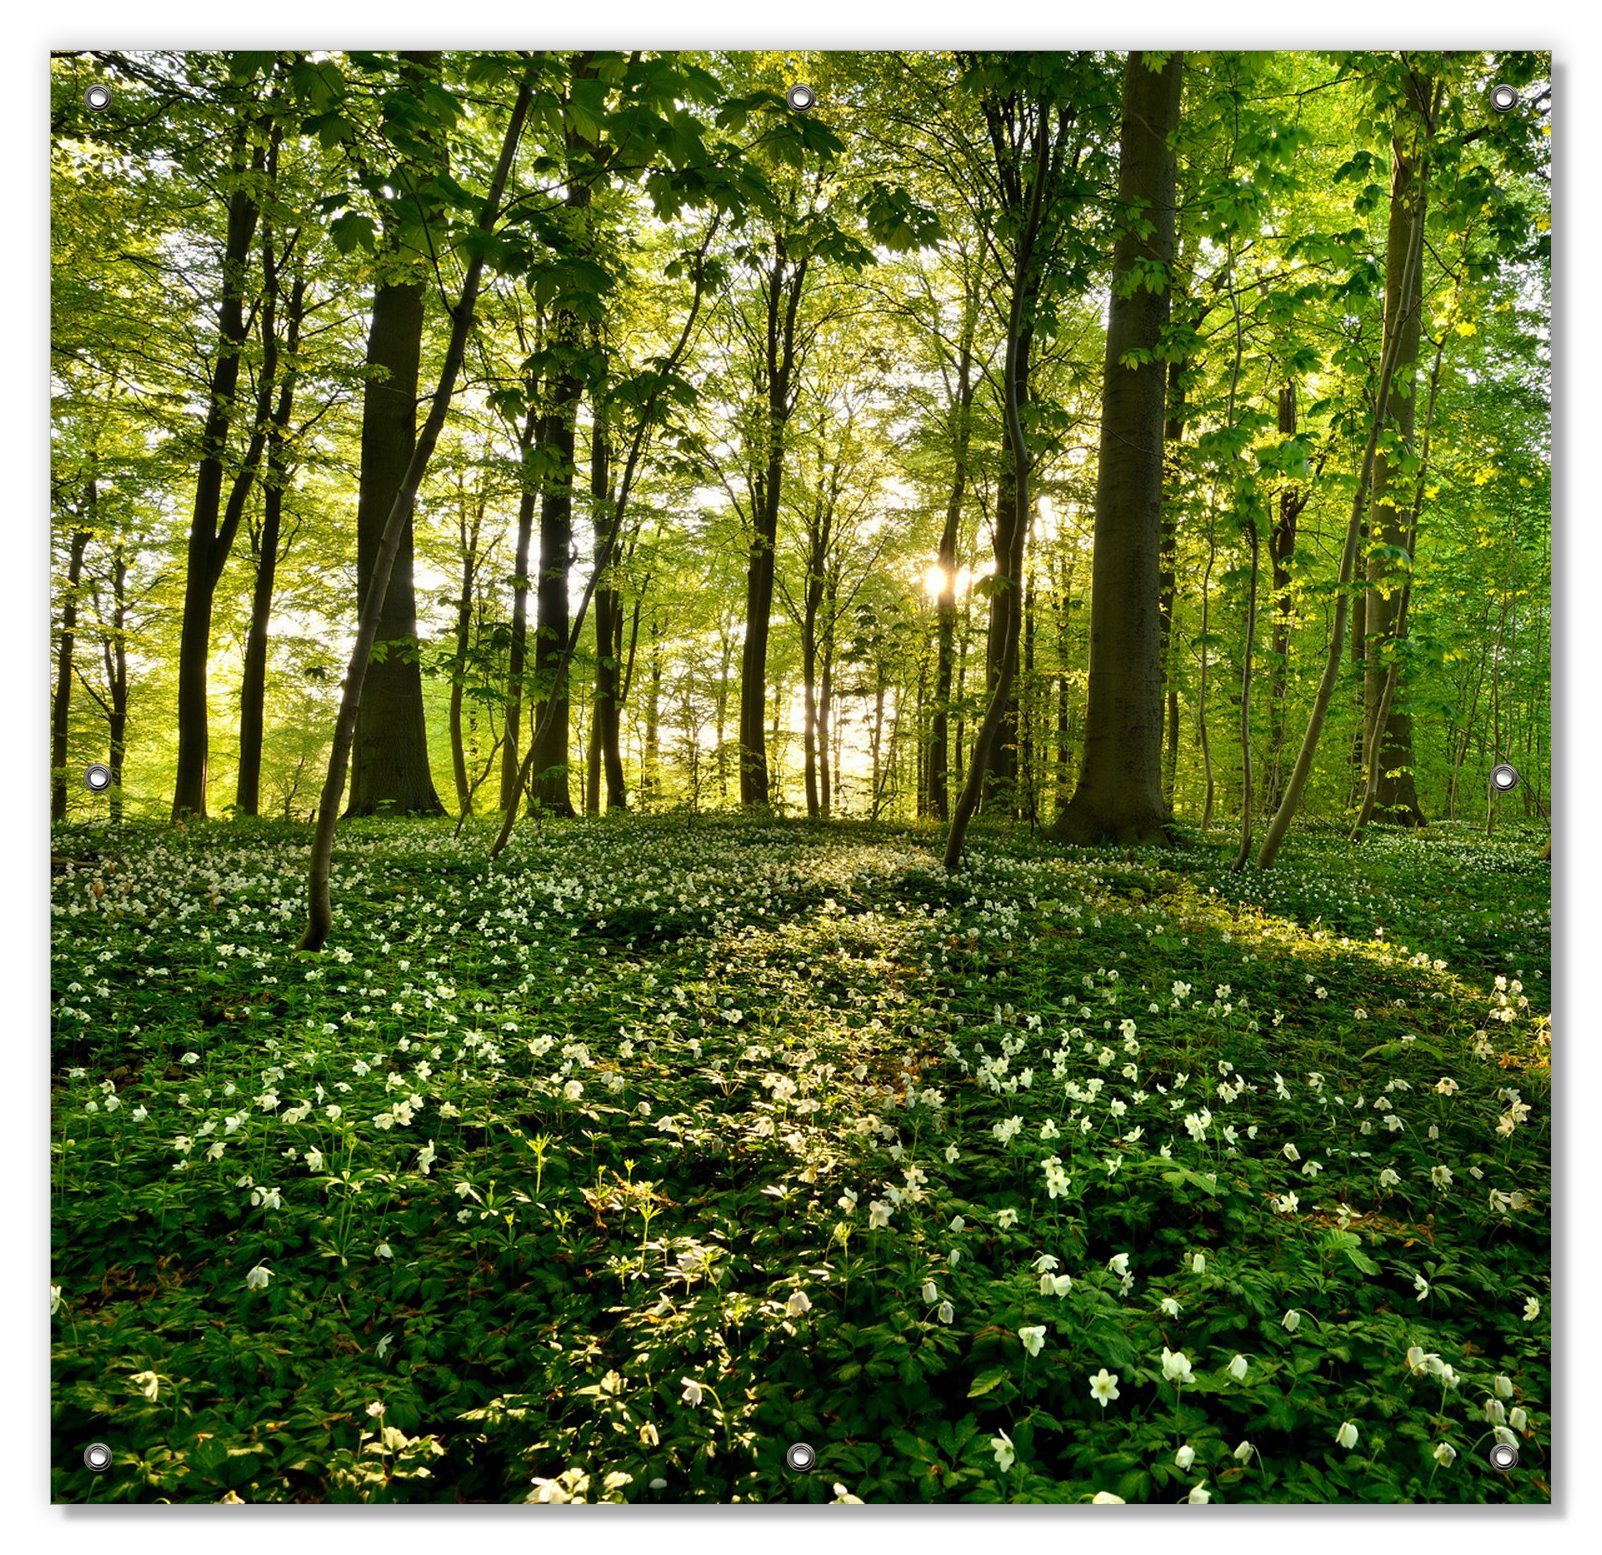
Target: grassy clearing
(613, 1172)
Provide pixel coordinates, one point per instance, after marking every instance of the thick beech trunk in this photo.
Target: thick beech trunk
(1120, 792)
(320, 911)
(390, 772)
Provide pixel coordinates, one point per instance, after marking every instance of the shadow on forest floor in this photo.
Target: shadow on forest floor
(610, 1172)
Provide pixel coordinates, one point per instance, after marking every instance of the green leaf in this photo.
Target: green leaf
(352, 231)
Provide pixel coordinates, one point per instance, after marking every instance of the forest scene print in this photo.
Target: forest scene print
(756, 750)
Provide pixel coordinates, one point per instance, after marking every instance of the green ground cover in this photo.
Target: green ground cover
(610, 1173)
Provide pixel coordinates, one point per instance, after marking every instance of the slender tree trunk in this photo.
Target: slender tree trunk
(268, 543)
(61, 705)
(1297, 781)
(778, 746)
(117, 683)
(1119, 797)
(786, 282)
(1203, 742)
(1397, 796)
(468, 537)
(809, 728)
(210, 539)
(828, 735)
(920, 723)
(1025, 706)
(1382, 720)
(1461, 747)
(529, 448)
(721, 713)
(1496, 707)
(939, 756)
(1060, 786)
(651, 761)
(1167, 572)
(1281, 550)
(1012, 516)
(607, 752)
(959, 743)
(1001, 775)
(556, 561)
(1243, 855)
(253, 676)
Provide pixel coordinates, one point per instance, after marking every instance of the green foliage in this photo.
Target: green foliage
(610, 1173)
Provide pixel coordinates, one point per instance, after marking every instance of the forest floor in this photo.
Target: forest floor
(612, 1172)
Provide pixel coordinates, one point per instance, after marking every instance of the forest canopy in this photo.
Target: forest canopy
(774, 441)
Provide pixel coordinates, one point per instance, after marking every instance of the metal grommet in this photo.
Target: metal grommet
(1504, 777)
(97, 777)
(801, 1457)
(801, 97)
(1504, 1457)
(97, 1457)
(1504, 98)
(98, 97)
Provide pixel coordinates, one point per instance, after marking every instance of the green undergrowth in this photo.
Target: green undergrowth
(609, 1173)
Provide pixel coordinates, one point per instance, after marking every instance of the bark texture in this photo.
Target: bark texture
(1119, 797)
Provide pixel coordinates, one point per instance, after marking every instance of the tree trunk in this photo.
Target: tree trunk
(115, 650)
(117, 683)
(1297, 781)
(1396, 798)
(468, 539)
(786, 282)
(1013, 501)
(390, 773)
(1060, 789)
(1244, 853)
(320, 913)
(959, 743)
(1167, 573)
(1203, 741)
(828, 737)
(556, 561)
(1120, 797)
(607, 753)
(210, 539)
(809, 688)
(61, 706)
(651, 756)
(1024, 705)
(1001, 793)
(267, 544)
(726, 654)
(517, 646)
(1281, 549)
